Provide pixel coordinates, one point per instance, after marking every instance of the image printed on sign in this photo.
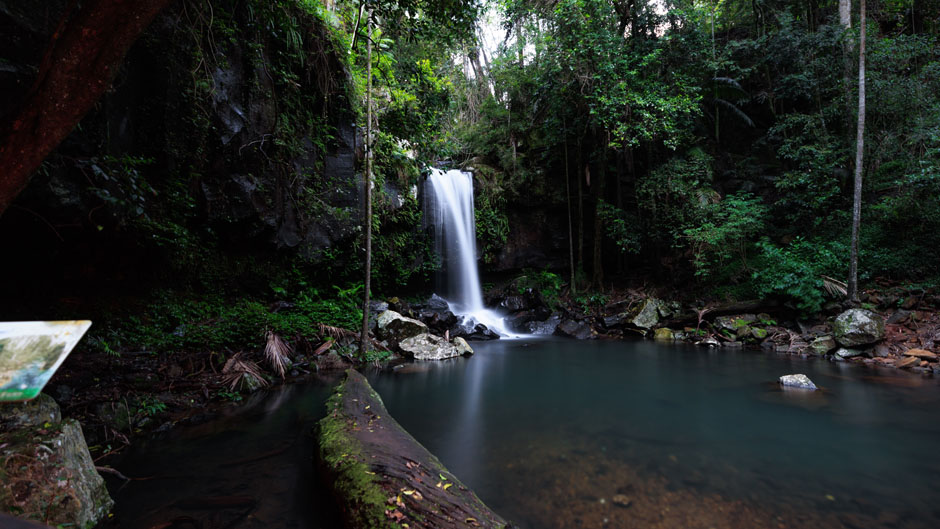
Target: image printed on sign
(31, 351)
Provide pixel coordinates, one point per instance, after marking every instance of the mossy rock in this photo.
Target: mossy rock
(46, 472)
(664, 334)
(381, 476)
(856, 327)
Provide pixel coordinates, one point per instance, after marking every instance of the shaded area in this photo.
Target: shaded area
(248, 468)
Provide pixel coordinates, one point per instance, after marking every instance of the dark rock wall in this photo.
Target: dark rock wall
(218, 135)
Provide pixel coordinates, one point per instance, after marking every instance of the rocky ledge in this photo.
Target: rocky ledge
(381, 476)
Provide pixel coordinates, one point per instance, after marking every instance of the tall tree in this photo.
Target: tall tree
(859, 155)
(78, 66)
(367, 221)
(845, 20)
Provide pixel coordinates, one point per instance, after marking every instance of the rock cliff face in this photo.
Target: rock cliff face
(217, 133)
(538, 238)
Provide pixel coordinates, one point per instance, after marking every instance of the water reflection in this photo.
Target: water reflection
(545, 430)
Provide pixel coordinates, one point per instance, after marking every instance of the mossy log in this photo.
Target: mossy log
(381, 476)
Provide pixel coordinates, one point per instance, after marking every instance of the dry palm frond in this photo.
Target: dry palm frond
(238, 369)
(834, 287)
(324, 347)
(277, 353)
(336, 332)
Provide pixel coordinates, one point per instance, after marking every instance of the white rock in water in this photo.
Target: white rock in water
(462, 346)
(797, 381)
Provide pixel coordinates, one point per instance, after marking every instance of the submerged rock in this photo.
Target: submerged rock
(47, 471)
(797, 381)
(856, 327)
(428, 347)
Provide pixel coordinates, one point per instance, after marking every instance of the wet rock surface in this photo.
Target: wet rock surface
(48, 474)
(797, 381)
(393, 327)
(428, 347)
(575, 329)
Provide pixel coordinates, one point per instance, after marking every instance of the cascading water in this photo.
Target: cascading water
(450, 208)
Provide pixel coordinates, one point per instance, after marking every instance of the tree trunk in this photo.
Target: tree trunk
(859, 152)
(598, 275)
(78, 66)
(367, 221)
(574, 287)
(580, 209)
(845, 20)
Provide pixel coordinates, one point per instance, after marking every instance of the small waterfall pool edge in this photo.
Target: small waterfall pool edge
(557, 433)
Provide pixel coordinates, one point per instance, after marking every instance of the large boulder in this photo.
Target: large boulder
(856, 327)
(47, 472)
(648, 316)
(393, 327)
(438, 320)
(381, 476)
(575, 329)
(428, 347)
(542, 328)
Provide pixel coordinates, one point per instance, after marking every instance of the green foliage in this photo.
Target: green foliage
(675, 197)
(492, 223)
(592, 302)
(621, 228)
(120, 183)
(176, 321)
(548, 285)
(726, 232)
(795, 272)
(149, 406)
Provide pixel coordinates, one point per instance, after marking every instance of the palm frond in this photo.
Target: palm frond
(336, 332)
(277, 353)
(834, 287)
(734, 109)
(239, 370)
(324, 347)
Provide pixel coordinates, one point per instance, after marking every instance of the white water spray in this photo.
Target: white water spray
(451, 211)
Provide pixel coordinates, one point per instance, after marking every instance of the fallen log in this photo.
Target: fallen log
(709, 312)
(381, 476)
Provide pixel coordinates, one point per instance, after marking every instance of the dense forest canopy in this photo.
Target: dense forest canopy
(703, 146)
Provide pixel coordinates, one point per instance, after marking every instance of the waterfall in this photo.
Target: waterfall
(450, 211)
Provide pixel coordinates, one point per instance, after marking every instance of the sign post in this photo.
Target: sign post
(31, 351)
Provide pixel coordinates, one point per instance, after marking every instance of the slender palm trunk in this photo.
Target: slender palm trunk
(570, 229)
(364, 338)
(859, 158)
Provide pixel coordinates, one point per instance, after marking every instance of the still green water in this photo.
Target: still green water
(559, 433)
